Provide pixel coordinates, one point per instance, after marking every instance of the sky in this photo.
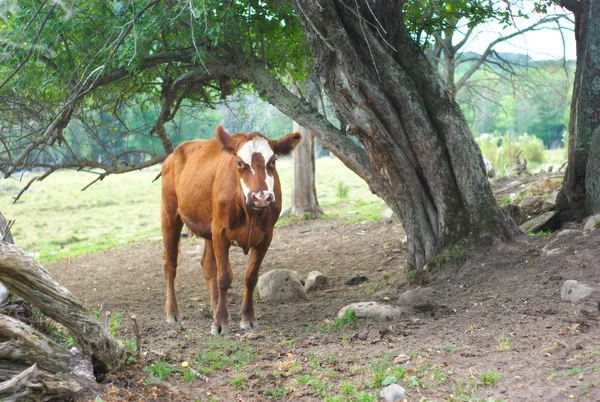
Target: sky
(542, 44)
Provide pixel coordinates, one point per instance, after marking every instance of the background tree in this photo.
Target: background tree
(585, 103)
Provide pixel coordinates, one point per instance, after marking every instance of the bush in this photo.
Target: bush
(501, 150)
(533, 148)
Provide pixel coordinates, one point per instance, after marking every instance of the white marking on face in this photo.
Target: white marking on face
(257, 145)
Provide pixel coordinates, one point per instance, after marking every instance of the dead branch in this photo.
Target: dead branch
(28, 279)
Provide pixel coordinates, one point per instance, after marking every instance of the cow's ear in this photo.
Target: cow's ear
(225, 139)
(285, 145)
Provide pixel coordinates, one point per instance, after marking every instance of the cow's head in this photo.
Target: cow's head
(255, 157)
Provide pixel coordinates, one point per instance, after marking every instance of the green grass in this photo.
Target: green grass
(161, 369)
(489, 377)
(219, 353)
(56, 220)
(349, 318)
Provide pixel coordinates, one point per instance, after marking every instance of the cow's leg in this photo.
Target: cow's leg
(220, 325)
(250, 279)
(171, 225)
(209, 265)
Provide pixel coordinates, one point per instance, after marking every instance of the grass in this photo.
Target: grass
(505, 344)
(218, 353)
(349, 318)
(56, 220)
(161, 369)
(489, 377)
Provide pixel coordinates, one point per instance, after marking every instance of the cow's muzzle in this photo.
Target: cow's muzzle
(260, 199)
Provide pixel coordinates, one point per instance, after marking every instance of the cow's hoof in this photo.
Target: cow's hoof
(248, 325)
(174, 320)
(219, 330)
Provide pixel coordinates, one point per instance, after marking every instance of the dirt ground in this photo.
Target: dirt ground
(499, 310)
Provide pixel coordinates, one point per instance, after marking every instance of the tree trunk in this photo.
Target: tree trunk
(54, 373)
(592, 180)
(429, 168)
(585, 103)
(304, 193)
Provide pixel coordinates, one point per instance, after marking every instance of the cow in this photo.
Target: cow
(225, 190)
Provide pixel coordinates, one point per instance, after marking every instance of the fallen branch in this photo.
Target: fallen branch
(28, 279)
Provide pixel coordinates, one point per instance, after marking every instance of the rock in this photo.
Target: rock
(314, 281)
(514, 211)
(374, 310)
(538, 222)
(534, 205)
(569, 233)
(417, 297)
(574, 291)
(393, 392)
(551, 198)
(387, 214)
(281, 285)
(590, 222)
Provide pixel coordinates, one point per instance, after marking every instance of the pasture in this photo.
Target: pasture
(495, 331)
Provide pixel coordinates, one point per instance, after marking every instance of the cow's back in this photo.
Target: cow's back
(188, 177)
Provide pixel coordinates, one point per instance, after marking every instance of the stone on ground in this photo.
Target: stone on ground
(538, 222)
(590, 223)
(314, 281)
(574, 291)
(281, 285)
(417, 297)
(393, 392)
(377, 311)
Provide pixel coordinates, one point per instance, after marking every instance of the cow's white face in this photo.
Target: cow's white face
(256, 165)
(255, 157)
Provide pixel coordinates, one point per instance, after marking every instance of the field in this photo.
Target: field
(496, 330)
(56, 220)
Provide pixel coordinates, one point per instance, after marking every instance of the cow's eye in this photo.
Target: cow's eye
(272, 163)
(240, 164)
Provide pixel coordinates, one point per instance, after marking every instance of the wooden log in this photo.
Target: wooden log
(28, 279)
(37, 384)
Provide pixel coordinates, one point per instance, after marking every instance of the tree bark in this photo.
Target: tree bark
(28, 279)
(304, 193)
(592, 180)
(429, 168)
(6, 236)
(585, 103)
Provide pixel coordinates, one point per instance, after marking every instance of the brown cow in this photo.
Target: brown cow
(226, 190)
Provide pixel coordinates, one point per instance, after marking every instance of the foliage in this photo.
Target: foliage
(349, 318)
(489, 376)
(161, 369)
(502, 150)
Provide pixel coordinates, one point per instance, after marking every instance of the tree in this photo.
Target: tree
(585, 105)
(415, 149)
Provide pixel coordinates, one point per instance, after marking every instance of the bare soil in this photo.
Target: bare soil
(499, 309)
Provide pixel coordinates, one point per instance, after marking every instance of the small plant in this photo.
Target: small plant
(347, 388)
(188, 376)
(161, 369)
(115, 322)
(238, 380)
(414, 382)
(365, 397)
(439, 375)
(305, 379)
(597, 221)
(342, 190)
(543, 233)
(277, 392)
(349, 318)
(504, 344)
(489, 377)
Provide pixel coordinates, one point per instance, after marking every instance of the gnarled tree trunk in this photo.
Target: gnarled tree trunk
(592, 181)
(585, 103)
(429, 168)
(45, 369)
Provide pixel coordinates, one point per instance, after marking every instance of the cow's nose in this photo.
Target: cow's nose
(262, 196)
(262, 199)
